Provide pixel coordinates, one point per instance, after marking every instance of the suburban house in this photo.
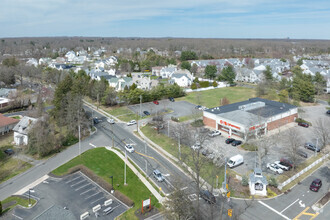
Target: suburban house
(5, 92)
(4, 102)
(246, 75)
(70, 56)
(21, 130)
(258, 183)
(120, 83)
(327, 88)
(156, 70)
(181, 79)
(7, 124)
(166, 72)
(32, 62)
(143, 81)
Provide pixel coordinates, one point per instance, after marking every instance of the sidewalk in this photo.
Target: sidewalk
(138, 174)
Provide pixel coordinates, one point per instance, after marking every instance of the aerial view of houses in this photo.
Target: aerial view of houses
(164, 110)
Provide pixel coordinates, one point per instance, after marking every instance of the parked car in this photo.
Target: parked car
(205, 152)
(110, 120)
(303, 124)
(328, 112)
(236, 143)
(129, 148)
(274, 167)
(96, 121)
(171, 99)
(315, 185)
(204, 108)
(282, 166)
(132, 122)
(214, 133)
(235, 161)
(146, 112)
(229, 140)
(156, 102)
(198, 107)
(196, 146)
(9, 151)
(158, 175)
(312, 147)
(208, 196)
(302, 153)
(286, 162)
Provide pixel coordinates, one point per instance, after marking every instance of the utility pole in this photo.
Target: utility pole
(79, 140)
(224, 184)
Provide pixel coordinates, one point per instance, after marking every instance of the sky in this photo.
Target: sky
(296, 19)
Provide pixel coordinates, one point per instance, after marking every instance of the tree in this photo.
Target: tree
(300, 62)
(210, 71)
(319, 83)
(268, 74)
(185, 65)
(302, 85)
(0, 208)
(110, 97)
(294, 141)
(194, 68)
(321, 130)
(10, 62)
(133, 86)
(214, 84)
(284, 96)
(227, 74)
(188, 55)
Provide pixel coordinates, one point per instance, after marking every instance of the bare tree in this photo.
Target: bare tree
(322, 131)
(293, 140)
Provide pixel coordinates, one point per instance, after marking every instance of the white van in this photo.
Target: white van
(235, 161)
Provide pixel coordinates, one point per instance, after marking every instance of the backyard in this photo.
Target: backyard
(105, 163)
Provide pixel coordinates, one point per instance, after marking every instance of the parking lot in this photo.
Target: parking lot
(69, 198)
(179, 109)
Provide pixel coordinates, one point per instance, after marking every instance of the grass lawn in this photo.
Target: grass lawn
(15, 200)
(209, 170)
(105, 163)
(211, 98)
(6, 140)
(249, 147)
(10, 167)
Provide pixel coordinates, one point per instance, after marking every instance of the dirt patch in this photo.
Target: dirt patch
(325, 199)
(146, 213)
(236, 186)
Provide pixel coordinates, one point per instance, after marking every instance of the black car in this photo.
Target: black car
(286, 162)
(312, 147)
(302, 153)
(208, 196)
(9, 152)
(236, 143)
(198, 106)
(96, 120)
(171, 99)
(328, 112)
(146, 112)
(229, 140)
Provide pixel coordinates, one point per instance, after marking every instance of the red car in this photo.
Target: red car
(315, 185)
(303, 124)
(156, 102)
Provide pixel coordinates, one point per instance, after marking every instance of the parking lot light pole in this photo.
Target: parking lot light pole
(112, 182)
(29, 198)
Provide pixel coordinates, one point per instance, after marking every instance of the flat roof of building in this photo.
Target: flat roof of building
(253, 107)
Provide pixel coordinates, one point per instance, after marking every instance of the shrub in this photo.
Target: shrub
(174, 119)
(204, 84)
(193, 86)
(214, 84)
(70, 140)
(272, 181)
(0, 208)
(197, 123)
(245, 181)
(299, 120)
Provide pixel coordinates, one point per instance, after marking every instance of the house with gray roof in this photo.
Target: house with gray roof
(182, 79)
(120, 83)
(21, 130)
(258, 183)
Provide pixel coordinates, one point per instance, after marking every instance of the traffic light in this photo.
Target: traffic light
(230, 212)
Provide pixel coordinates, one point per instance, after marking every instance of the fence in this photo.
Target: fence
(302, 172)
(220, 85)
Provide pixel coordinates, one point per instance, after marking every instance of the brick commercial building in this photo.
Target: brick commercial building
(249, 118)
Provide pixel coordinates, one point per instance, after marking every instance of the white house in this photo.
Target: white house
(166, 72)
(181, 79)
(22, 129)
(111, 61)
(120, 83)
(32, 62)
(258, 183)
(70, 56)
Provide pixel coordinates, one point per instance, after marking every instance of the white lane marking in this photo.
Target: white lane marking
(73, 179)
(166, 174)
(184, 188)
(17, 216)
(82, 187)
(302, 205)
(87, 190)
(97, 200)
(92, 145)
(280, 214)
(289, 206)
(92, 195)
(78, 182)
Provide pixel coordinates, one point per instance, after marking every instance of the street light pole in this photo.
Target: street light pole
(112, 182)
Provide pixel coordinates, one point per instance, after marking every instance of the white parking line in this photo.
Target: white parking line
(92, 195)
(87, 191)
(280, 214)
(92, 145)
(97, 200)
(184, 188)
(78, 182)
(17, 216)
(73, 179)
(289, 206)
(82, 187)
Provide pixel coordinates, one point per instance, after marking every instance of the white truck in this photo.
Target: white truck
(235, 161)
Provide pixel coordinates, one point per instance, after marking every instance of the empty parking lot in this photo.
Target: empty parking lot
(70, 196)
